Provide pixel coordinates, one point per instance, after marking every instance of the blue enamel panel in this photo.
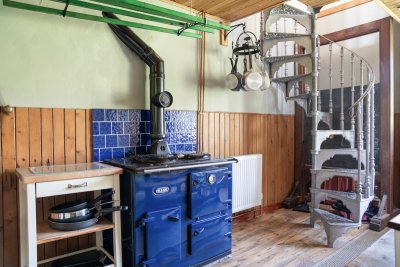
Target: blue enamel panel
(167, 225)
(209, 187)
(219, 228)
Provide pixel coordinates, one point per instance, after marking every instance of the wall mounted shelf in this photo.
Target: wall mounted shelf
(182, 23)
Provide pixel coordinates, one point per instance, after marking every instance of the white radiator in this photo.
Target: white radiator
(247, 182)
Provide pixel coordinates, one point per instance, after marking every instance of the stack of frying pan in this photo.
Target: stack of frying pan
(77, 215)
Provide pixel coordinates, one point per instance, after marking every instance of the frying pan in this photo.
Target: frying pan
(252, 79)
(72, 226)
(79, 216)
(234, 79)
(73, 209)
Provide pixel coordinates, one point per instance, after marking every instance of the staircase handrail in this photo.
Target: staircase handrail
(371, 75)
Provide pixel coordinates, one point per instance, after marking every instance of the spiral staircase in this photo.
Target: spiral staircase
(291, 54)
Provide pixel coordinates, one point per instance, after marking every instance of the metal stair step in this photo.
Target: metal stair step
(285, 9)
(302, 96)
(291, 78)
(334, 220)
(284, 58)
(338, 194)
(334, 132)
(322, 135)
(342, 151)
(341, 172)
(321, 175)
(323, 155)
(283, 35)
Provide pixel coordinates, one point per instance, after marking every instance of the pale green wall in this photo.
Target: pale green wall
(50, 61)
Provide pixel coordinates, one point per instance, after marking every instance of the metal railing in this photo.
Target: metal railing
(360, 121)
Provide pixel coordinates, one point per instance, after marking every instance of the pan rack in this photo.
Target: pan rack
(179, 23)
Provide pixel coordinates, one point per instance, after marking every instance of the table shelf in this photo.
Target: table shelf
(46, 234)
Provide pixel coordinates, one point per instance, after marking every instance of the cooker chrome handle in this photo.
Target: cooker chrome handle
(186, 167)
(70, 186)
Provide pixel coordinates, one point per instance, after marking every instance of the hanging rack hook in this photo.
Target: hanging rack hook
(66, 7)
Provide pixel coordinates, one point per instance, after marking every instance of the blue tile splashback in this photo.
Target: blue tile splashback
(119, 133)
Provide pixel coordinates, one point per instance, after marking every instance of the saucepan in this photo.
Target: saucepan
(76, 209)
(72, 226)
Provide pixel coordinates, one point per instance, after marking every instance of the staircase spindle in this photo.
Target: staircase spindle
(367, 142)
(359, 148)
(296, 67)
(352, 122)
(361, 104)
(285, 44)
(341, 89)
(372, 155)
(330, 79)
(319, 69)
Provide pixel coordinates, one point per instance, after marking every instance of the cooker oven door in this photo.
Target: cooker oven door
(211, 236)
(163, 237)
(209, 192)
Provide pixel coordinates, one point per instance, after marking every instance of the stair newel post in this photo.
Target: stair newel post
(341, 89)
(367, 142)
(330, 79)
(319, 69)
(352, 122)
(314, 90)
(372, 153)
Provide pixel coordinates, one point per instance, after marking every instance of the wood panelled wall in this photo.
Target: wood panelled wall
(233, 134)
(34, 137)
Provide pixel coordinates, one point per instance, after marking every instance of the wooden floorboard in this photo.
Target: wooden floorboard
(282, 238)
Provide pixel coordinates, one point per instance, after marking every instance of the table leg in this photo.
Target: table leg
(397, 246)
(117, 226)
(27, 222)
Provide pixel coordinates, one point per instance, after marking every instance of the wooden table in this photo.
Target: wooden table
(46, 181)
(395, 224)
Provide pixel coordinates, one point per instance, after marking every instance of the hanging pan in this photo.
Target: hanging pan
(234, 79)
(252, 80)
(73, 226)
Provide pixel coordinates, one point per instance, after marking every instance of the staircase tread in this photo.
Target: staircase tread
(349, 195)
(290, 78)
(333, 219)
(350, 171)
(281, 58)
(341, 150)
(334, 131)
(302, 96)
(283, 35)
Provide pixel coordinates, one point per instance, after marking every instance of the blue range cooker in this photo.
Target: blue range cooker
(180, 209)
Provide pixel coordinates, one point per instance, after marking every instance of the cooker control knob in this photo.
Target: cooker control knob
(212, 179)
